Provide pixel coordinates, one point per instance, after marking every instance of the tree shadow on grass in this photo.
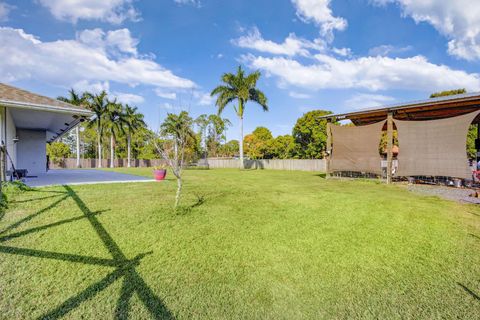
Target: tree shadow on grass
(123, 267)
(475, 236)
(321, 175)
(33, 215)
(470, 292)
(36, 199)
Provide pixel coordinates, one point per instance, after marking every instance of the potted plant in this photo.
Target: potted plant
(159, 172)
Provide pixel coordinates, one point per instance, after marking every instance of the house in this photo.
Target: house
(28, 122)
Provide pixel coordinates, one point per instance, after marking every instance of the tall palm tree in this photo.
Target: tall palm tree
(240, 88)
(133, 121)
(76, 99)
(98, 104)
(114, 124)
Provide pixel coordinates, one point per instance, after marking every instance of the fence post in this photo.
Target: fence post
(329, 147)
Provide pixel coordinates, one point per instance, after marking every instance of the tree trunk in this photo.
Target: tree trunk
(242, 163)
(175, 152)
(112, 151)
(179, 192)
(99, 141)
(128, 150)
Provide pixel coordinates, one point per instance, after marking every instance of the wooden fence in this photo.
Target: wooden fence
(270, 164)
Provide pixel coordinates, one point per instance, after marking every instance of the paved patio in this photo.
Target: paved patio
(81, 176)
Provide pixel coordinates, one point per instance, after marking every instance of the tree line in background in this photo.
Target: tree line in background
(117, 131)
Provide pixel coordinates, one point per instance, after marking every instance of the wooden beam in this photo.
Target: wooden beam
(389, 147)
(329, 147)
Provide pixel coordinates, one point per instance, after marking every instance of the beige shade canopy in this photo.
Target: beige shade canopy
(434, 147)
(356, 148)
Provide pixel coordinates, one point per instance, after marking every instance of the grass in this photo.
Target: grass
(251, 244)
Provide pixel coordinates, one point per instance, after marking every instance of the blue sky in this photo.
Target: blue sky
(314, 54)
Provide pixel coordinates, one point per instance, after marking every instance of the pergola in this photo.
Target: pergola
(421, 112)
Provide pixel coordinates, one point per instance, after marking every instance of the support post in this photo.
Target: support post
(477, 146)
(328, 147)
(389, 147)
(77, 132)
(3, 145)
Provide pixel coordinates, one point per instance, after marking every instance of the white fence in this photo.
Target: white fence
(71, 163)
(271, 164)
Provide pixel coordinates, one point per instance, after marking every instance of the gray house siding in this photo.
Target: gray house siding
(31, 151)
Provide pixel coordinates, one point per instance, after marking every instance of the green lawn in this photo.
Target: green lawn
(251, 244)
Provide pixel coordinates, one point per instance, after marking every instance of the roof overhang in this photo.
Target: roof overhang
(56, 121)
(430, 109)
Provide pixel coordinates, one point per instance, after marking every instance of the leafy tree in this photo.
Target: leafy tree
(58, 151)
(229, 149)
(175, 132)
(448, 93)
(383, 141)
(263, 133)
(216, 132)
(202, 122)
(258, 143)
(241, 88)
(471, 136)
(310, 134)
(283, 147)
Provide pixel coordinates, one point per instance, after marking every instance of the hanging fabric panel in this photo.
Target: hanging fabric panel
(356, 148)
(434, 147)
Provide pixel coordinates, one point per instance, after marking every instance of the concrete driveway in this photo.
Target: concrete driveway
(81, 176)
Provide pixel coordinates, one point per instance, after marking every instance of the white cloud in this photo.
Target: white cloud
(202, 98)
(165, 94)
(92, 87)
(320, 13)
(298, 95)
(291, 46)
(368, 100)
(343, 52)
(122, 40)
(68, 62)
(167, 106)
(5, 9)
(458, 20)
(112, 11)
(195, 3)
(388, 50)
(371, 73)
(115, 41)
(128, 98)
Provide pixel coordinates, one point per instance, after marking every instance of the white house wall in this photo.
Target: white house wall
(31, 151)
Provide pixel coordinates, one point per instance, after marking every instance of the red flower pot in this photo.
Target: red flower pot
(159, 174)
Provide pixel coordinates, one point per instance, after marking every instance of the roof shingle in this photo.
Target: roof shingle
(12, 94)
